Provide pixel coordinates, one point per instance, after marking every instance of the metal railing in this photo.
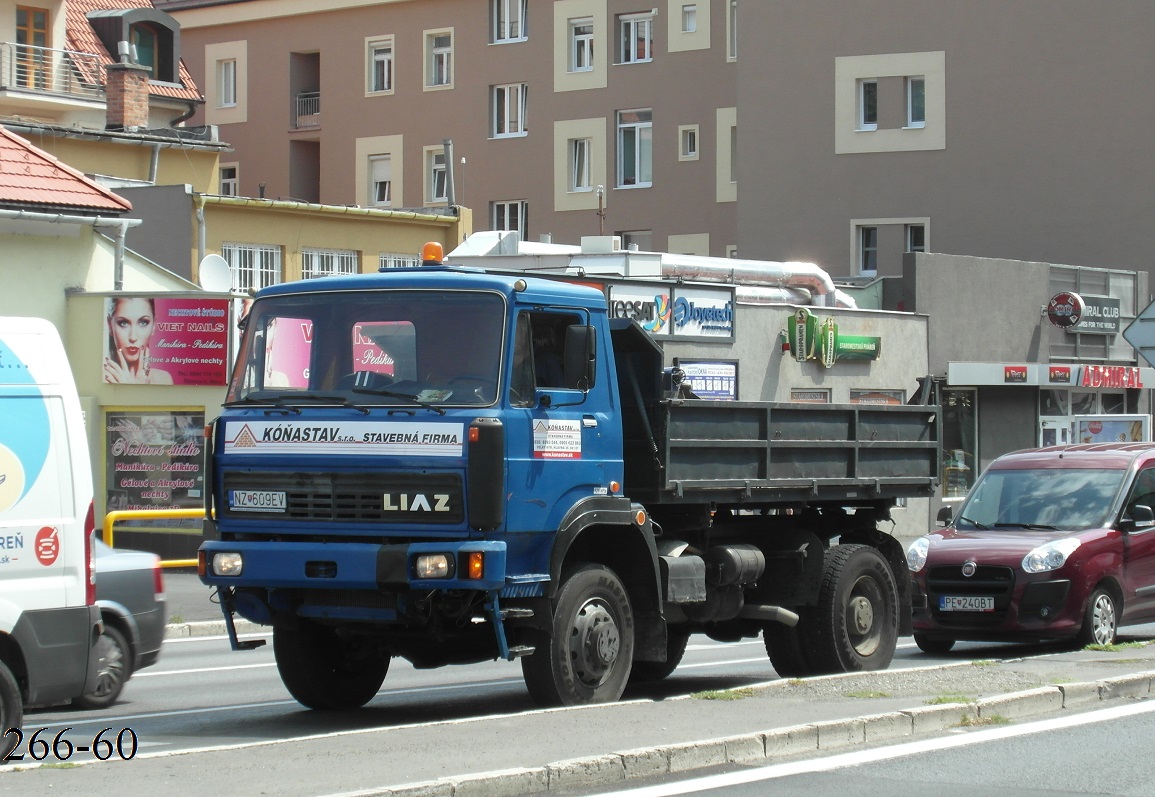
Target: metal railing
(112, 518)
(308, 110)
(42, 70)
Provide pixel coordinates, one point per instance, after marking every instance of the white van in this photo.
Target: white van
(49, 622)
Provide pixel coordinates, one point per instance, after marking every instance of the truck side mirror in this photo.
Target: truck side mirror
(579, 361)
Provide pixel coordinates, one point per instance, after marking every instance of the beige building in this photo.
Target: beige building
(554, 110)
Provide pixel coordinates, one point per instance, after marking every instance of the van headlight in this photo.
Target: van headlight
(916, 554)
(1051, 556)
(228, 563)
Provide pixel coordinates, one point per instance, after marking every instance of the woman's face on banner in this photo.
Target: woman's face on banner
(132, 325)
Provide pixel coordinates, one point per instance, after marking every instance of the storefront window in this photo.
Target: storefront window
(959, 435)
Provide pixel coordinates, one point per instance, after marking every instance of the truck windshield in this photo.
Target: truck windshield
(408, 348)
(1068, 499)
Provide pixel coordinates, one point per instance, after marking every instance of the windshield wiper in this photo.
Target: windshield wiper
(974, 523)
(1028, 526)
(286, 401)
(405, 396)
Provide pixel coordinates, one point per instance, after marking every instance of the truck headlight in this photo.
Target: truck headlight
(228, 564)
(1051, 556)
(433, 565)
(916, 554)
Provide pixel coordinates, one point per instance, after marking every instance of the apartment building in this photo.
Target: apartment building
(980, 128)
(563, 118)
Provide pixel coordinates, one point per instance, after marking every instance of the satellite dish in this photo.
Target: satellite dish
(214, 274)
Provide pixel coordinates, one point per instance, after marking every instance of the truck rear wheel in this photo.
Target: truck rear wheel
(651, 671)
(854, 626)
(586, 658)
(324, 669)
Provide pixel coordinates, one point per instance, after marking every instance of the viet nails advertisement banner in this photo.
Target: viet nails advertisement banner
(151, 340)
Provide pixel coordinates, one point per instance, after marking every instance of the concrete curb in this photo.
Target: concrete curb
(766, 747)
(209, 628)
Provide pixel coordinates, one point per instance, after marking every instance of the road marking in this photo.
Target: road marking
(921, 747)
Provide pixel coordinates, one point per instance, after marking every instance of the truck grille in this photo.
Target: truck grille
(353, 497)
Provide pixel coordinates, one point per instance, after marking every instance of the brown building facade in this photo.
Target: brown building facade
(543, 102)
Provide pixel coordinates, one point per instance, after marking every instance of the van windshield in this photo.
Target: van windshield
(1069, 499)
(409, 347)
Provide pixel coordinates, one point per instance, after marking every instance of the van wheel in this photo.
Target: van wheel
(11, 711)
(586, 657)
(933, 644)
(1100, 620)
(113, 669)
(325, 669)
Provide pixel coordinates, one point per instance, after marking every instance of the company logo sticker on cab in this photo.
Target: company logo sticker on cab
(47, 545)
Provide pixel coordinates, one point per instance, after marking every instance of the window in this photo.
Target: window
(32, 65)
(581, 35)
(579, 159)
(732, 31)
(397, 260)
(508, 18)
(868, 250)
(144, 40)
(635, 148)
(325, 262)
(227, 83)
(868, 105)
(438, 176)
(439, 59)
(380, 180)
(959, 436)
(254, 266)
(509, 110)
(230, 179)
(380, 59)
(510, 216)
(733, 153)
(915, 102)
(915, 238)
(689, 18)
(639, 240)
(636, 38)
(688, 143)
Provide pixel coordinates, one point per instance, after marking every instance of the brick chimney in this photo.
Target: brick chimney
(126, 91)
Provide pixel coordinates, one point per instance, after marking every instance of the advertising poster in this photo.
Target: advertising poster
(717, 380)
(1112, 428)
(155, 459)
(151, 340)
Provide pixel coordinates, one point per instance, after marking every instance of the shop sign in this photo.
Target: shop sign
(1059, 375)
(1065, 309)
(155, 459)
(680, 311)
(1015, 374)
(809, 340)
(1100, 316)
(1111, 376)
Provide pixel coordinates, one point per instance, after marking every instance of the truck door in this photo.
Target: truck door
(562, 442)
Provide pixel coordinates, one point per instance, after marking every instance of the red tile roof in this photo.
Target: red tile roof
(31, 179)
(83, 39)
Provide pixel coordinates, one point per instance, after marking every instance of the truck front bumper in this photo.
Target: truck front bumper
(469, 564)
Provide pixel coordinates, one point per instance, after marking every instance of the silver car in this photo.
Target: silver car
(130, 594)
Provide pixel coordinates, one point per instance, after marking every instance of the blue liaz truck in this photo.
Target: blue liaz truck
(452, 465)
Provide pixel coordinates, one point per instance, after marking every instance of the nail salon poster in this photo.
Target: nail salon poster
(155, 459)
(157, 340)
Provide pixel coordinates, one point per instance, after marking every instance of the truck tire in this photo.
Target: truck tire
(11, 710)
(854, 626)
(784, 646)
(652, 671)
(324, 670)
(587, 655)
(113, 670)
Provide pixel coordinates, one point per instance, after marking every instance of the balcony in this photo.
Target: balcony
(307, 113)
(25, 68)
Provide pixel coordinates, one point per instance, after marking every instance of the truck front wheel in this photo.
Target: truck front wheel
(324, 669)
(586, 658)
(854, 626)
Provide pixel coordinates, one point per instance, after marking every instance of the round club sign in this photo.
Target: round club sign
(1066, 309)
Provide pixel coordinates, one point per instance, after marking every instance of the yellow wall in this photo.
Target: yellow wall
(175, 166)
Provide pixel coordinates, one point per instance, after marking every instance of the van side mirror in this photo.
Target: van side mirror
(945, 515)
(579, 361)
(1141, 516)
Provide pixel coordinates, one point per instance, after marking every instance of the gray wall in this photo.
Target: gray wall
(167, 236)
